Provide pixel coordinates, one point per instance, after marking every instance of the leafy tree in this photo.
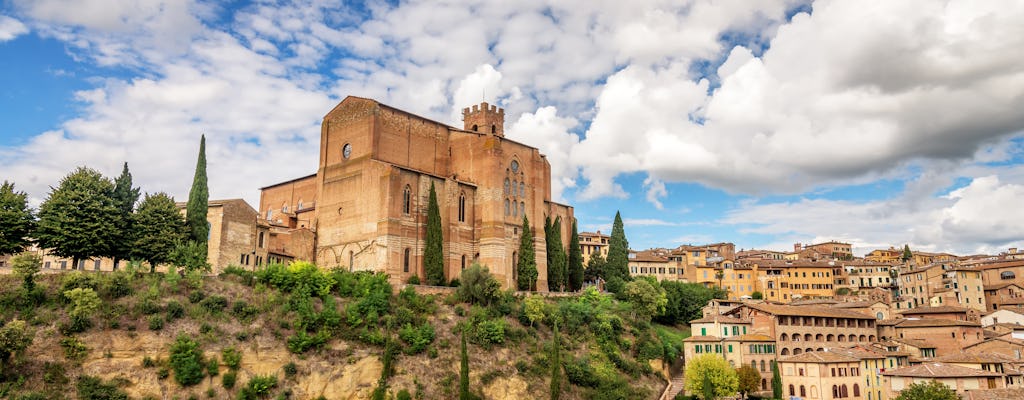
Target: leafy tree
(618, 251)
(527, 267)
(199, 201)
(26, 265)
(647, 299)
(685, 301)
(190, 255)
(719, 275)
(907, 254)
(158, 229)
(757, 295)
(15, 337)
(555, 254)
(533, 308)
(187, 361)
(84, 303)
(16, 219)
(575, 261)
(125, 197)
(556, 364)
(713, 370)
(931, 390)
(464, 370)
(595, 268)
(749, 379)
(77, 220)
(776, 381)
(433, 255)
(478, 286)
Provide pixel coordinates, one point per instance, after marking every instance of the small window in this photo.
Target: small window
(405, 260)
(507, 211)
(406, 199)
(1007, 275)
(462, 207)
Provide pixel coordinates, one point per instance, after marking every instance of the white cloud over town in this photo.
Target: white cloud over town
(845, 93)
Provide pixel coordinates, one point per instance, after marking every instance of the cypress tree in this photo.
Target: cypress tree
(558, 260)
(433, 255)
(707, 388)
(556, 365)
(527, 267)
(77, 219)
(550, 254)
(16, 220)
(198, 200)
(618, 251)
(125, 197)
(464, 371)
(907, 254)
(575, 267)
(776, 381)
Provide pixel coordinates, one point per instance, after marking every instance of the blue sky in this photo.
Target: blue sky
(759, 123)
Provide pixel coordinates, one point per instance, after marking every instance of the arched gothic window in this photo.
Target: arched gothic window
(522, 208)
(506, 186)
(856, 390)
(405, 260)
(406, 199)
(462, 207)
(507, 211)
(522, 189)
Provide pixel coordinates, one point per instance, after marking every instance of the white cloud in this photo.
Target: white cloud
(11, 28)
(655, 191)
(550, 133)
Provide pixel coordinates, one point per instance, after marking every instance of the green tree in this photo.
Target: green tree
(685, 301)
(187, 361)
(646, 299)
(464, 370)
(776, 381)
(711, 369)
(556, 364)
(907, 254)
(26, 265)
(595, 268)
(84, 303)
(707, 388)
(15, 337)
(199, 200)
(931, 390)
(533, 308)
(719, 275)
(16, 220)
(757, 295)
(749, 379)
(125, 197)
(618, 251)
(478, 286)
(190, 256)
(77, 219)
(555, 254)
(433, 255)
(159, 227)
(575, 261)
(527, 267)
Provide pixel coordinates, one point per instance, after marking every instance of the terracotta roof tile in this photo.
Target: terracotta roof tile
(935, 310)
(974, 358)
(938, 370)
(703, 339)
(821, 357)
(724, 319)
(930, 322)
(808, 311)
(995, 394)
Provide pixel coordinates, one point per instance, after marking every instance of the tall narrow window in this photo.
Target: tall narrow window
(506, 186)
(522, 189)
(506, 208)
(522, 208)
(463, 261)
(405, 261)
(260, 240)
(406, 199)
(515, 210)
(462, 207)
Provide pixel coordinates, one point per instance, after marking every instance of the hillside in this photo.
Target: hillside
(305, 333)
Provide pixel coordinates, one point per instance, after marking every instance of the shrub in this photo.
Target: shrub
(156, 322)
(174, 310)
(290, 370)
(478, 286)
(147, 362)
(580, 373)
(31, 396)
(212, 366)
(214, 304)
(261, 385)
(119, 285)
(228, 379)
(187, 361)
(302, 341)
(74, 349)
(92, 388)
(147, 307)
(403, 395)
(196, 296)
(54, 374)
(205, 328)
(211, 393)
(413, 280)
(417, 339)
(491, 331)
(243, 311)
(232, 358)
(163, 373)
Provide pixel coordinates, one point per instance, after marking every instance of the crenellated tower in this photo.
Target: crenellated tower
(484, 118)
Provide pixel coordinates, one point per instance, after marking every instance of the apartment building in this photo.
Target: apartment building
(823, 375)
(800, 329)
(593, 243)
(961, 379)
(1004, 293)
(920, 285)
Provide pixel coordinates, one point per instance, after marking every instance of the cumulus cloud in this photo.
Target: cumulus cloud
(11, 28)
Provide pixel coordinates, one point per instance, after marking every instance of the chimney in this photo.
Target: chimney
(797, 247)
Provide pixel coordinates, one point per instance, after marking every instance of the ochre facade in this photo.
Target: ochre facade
(367, 202)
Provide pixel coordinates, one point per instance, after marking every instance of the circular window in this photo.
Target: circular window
(346, 150)
(515, 166)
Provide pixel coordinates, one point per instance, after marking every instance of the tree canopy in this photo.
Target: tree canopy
(557, 270)
(618, 251)
(433, 255)
(78, 218)
(749, 379)
(931, 390)
(16, 219)
(714, 370)
(159, 227)
(198, 200)
(526, 278)
(125, 196)
(685, 301)
(647, 299)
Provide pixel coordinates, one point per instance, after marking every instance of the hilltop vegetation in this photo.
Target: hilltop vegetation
(298, 331)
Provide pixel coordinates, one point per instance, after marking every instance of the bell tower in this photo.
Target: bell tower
(484, 118)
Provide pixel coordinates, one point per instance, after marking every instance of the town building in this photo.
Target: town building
(800, 329)
(999, 295)
(1002, 317)
(961, 379)
(920, 285)
(367, 202)
(822, 375)
(831, 250)
(593, 243)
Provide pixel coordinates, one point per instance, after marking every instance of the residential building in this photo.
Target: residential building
(953, 313)
(822, 375)
(1002, 317)
(593, 243)
(655, 263)
(944, 335)
(799, 329)
(919, 285)
(831, 250)
(1002, 293)
(960, 379)
(367, 202)
(891, 255)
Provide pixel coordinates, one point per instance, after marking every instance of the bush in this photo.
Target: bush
(31, 396)
(290, 370)
(92, 388)
(261, 385)
(580, 373)
(417, 339)
(74, 349)
(163, 373)
(187, 361)
(214, 304)
(156, 322)
(302, 341)
(54, 374)
(243, 311)
(413, 280)
(232, 358)
(148, 362)
(212, 366)
(403, 395)
(228, 379)
(490, 332)
(196, 296)
(119, 285)
(478, 286)
(147, 307)
(174, 310)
